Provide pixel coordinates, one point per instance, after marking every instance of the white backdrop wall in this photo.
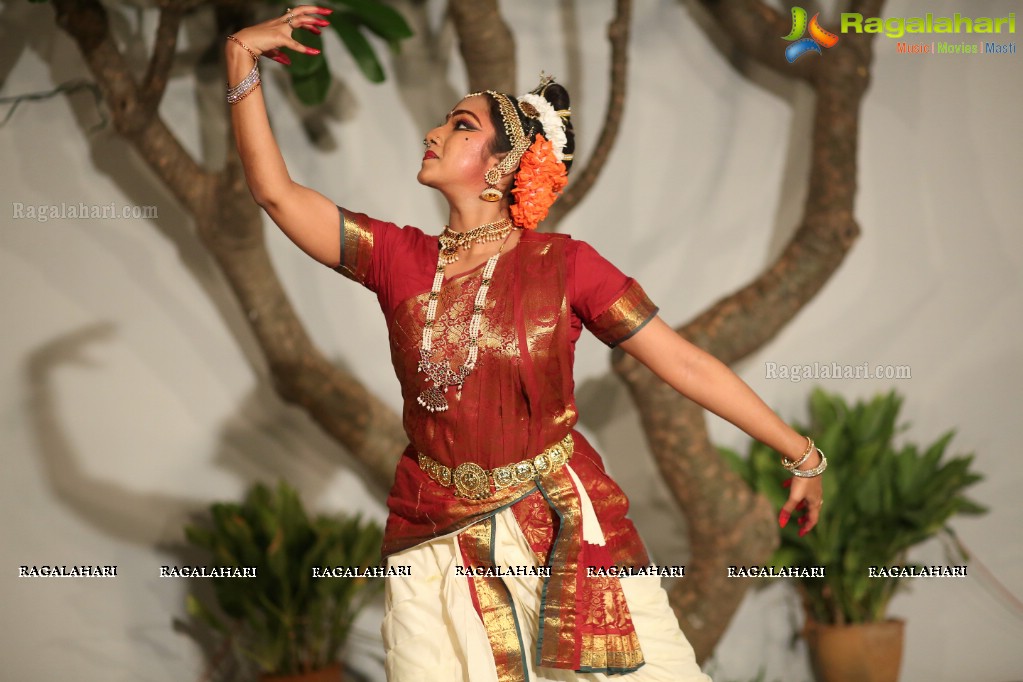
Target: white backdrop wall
(132, 394)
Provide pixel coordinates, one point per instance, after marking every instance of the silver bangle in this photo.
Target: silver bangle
(235, 94)
(816, 471)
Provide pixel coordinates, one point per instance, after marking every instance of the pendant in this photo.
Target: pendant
(433, 399)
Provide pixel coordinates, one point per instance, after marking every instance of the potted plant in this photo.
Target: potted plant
(880, 500)
(289, 623)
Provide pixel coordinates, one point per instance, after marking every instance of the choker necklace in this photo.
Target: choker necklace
(451, 242)
(440, 373)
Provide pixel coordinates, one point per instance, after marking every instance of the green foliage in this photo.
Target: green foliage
(351, 20)
(880, 500)
(284, 619)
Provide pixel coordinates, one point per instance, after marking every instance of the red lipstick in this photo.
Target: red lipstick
(429, 155)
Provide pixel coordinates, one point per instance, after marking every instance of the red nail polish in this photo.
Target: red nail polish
(783, 518)
(312, 50)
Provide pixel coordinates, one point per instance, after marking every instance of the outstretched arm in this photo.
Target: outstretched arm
(307, 217)
(707, 381)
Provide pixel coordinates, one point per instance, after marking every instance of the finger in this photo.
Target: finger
(313, 29)
(305, 16)
(279, 57)
(787, 483)
(310, 23)
(812, 516)
(786, 511)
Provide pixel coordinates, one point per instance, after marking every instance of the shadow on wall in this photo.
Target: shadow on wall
(263, 441)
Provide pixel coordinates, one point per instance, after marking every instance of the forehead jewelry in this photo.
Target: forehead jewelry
(513, 127)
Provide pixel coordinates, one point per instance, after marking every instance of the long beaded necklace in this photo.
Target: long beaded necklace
(440, 373)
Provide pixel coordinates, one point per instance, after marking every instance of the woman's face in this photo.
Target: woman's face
(458, 151)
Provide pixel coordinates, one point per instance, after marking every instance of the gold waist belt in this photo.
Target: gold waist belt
(473, 481)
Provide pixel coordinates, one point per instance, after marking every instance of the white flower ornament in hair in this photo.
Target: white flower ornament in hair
(553, 125)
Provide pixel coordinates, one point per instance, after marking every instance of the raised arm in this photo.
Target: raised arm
(307, 217)
(707, 381)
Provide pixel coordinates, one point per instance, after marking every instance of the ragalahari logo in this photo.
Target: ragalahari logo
(818, 36)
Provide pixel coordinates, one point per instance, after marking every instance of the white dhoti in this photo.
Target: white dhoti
(431, 630)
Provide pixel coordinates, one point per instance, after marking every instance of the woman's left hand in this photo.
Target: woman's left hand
(806, 495)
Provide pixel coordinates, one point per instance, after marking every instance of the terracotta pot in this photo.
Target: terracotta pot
(863, 652)
(329, 674)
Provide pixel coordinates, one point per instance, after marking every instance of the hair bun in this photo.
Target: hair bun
(557, 95)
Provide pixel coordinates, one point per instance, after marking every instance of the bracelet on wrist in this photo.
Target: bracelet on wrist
(255, 57)
(246, 86)
(816, 471)
(790, 464)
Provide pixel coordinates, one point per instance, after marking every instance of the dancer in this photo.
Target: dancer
(511, 527)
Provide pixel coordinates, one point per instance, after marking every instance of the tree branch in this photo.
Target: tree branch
(756, 31)
(748, 318)
(86, 22)
(486, 44)
(301, 375)
(164, 48)
(618, 35)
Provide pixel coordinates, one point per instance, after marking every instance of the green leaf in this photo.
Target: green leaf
(360, 48)
(868, 496)
(302, 64)
(381, 19)
(968, 506)
(196, 609)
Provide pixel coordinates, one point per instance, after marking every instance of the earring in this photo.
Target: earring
(491, 193)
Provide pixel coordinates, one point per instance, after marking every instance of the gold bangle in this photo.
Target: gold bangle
(255, 57)
(790, 465)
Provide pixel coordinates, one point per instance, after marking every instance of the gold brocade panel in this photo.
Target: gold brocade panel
(356, 246)
(494, 603)
(626, 316)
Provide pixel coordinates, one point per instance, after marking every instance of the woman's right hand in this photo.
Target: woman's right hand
(268, 37)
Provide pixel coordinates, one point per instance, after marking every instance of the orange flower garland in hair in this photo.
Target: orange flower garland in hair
(538, 183)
